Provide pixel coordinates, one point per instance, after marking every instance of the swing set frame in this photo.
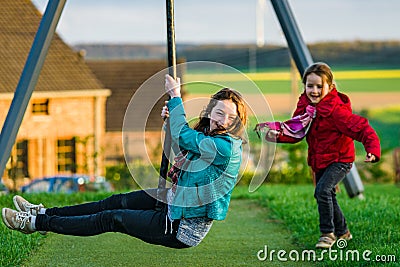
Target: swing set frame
(41, 44)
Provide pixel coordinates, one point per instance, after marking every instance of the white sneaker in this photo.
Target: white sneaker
(21, 221)
(24, 205)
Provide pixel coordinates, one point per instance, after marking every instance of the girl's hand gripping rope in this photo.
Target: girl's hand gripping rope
(172, 87)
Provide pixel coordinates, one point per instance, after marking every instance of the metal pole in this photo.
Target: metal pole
(172, 71)
(303, 59)
(297, 46)
(29, 78)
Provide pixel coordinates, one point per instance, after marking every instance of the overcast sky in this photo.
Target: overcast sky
(224, 21)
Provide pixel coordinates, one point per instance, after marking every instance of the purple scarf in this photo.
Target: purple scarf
(296, 127)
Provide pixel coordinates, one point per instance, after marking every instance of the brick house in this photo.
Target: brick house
(64, 125)
(124, 78)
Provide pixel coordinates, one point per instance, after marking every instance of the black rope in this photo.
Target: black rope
(171, 54)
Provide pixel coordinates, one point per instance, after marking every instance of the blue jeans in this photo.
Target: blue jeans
(331, 218)
(132, 213)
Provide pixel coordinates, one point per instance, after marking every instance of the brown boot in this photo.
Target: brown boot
(326, 240)
(346, 236)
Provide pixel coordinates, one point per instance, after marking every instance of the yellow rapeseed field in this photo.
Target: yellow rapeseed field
(271, 76)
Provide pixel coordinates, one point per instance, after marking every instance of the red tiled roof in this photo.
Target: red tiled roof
(63, 68)
(124, 77)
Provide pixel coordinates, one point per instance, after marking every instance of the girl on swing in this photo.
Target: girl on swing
(203, 178)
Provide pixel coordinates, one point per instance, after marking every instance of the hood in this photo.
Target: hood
(327, 104)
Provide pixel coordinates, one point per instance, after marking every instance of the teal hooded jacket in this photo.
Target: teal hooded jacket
(209, 172)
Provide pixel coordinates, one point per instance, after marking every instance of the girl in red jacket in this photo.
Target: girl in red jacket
(324, 117)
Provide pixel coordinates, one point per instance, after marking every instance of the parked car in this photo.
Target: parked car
(66, 184)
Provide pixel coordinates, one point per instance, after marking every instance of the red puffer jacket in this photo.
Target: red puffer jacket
(330, 137)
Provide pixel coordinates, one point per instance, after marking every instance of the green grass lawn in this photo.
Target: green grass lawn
(373, 222)
(282, 217)
(233, 242)
(386, 122)
(369, 85)
(15, 246)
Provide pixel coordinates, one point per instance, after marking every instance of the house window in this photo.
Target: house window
(40, 107)
(66, 156)
(17, 165)
(22, 159)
